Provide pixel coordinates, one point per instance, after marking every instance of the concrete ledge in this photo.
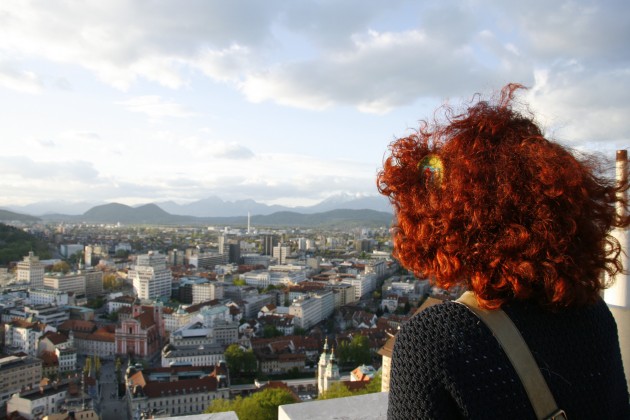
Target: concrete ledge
(227, 415)
(363, 407)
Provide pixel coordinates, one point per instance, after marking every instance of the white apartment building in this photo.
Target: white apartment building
(202, 355)
(280, 253)
(363, 284)
(344, 293)
(48, 314)
(257, 278)
(37, 403)
(307, 311)
(31, 270)
(24, 336)
(44, 296)
(251, 305)
(71, 282)
(327, 305)
(204, 292)
(151, 278)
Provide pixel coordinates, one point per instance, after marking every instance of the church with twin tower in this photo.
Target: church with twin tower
(327, 370)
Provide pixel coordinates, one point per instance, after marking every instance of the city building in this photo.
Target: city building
(151, 278)
(192, 355)
(93, 253)
(31, 270)
(281, 252)
(70, 283)
(55, 398)
(207, 260)
(17, 372)
(23, 336)
(175, 390)
(363, 284)
(313, 308)
(203, 292)
(47, 296)
(140, 336)
(93, 283)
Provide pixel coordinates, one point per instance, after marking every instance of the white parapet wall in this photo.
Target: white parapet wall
(362, 407)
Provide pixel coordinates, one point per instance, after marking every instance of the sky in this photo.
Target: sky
(281, 101)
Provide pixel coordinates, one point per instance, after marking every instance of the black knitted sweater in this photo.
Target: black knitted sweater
(447, 364)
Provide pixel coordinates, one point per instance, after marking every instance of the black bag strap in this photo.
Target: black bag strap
(519, 355)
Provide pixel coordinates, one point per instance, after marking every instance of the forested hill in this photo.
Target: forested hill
(15, 244)
(9, 215)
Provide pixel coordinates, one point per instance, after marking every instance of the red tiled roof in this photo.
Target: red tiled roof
(146, 319)
(55, 338)
(49, 358)
(77, 325)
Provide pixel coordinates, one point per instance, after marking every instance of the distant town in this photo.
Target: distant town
(146, 321)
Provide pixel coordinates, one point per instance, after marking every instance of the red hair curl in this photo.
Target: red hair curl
(514, 216)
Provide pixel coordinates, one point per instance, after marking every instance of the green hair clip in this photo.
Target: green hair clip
(431, 170)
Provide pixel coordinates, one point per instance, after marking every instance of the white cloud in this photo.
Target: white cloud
(19, 80)
(248, 63)
(155, 107)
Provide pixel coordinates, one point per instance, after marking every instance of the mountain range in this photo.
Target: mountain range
(214, 207)
(314, 216)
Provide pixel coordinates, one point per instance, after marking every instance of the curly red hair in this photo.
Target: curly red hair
(512, 215)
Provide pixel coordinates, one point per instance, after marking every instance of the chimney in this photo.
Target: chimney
(618, 295)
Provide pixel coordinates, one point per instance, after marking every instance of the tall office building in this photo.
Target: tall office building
(31, 270)
(268, 242)
(234, 256)
(151, 277)
(93, 283)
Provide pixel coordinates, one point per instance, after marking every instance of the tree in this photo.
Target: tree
(111, 281)
(356, 352)
(240, 361)
(336, 390)
(60, 267)
(339, 390)
(239, 282)
(270, 331)
(360, 350)
(118, 367)
(97, 367)
(76, 257)
(262, 405)
(87, 368)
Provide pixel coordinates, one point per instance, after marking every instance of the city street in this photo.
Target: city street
(111, 407)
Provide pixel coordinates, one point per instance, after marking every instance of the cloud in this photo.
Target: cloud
(381, 71)
(155, 107)
(25, 168)
(19, 80)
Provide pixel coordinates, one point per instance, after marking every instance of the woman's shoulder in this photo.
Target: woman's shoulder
(441, 326)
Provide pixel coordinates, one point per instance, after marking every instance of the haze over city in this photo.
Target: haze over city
(281, 102)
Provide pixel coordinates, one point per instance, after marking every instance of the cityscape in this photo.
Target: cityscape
(190, 223)
(105, 314)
